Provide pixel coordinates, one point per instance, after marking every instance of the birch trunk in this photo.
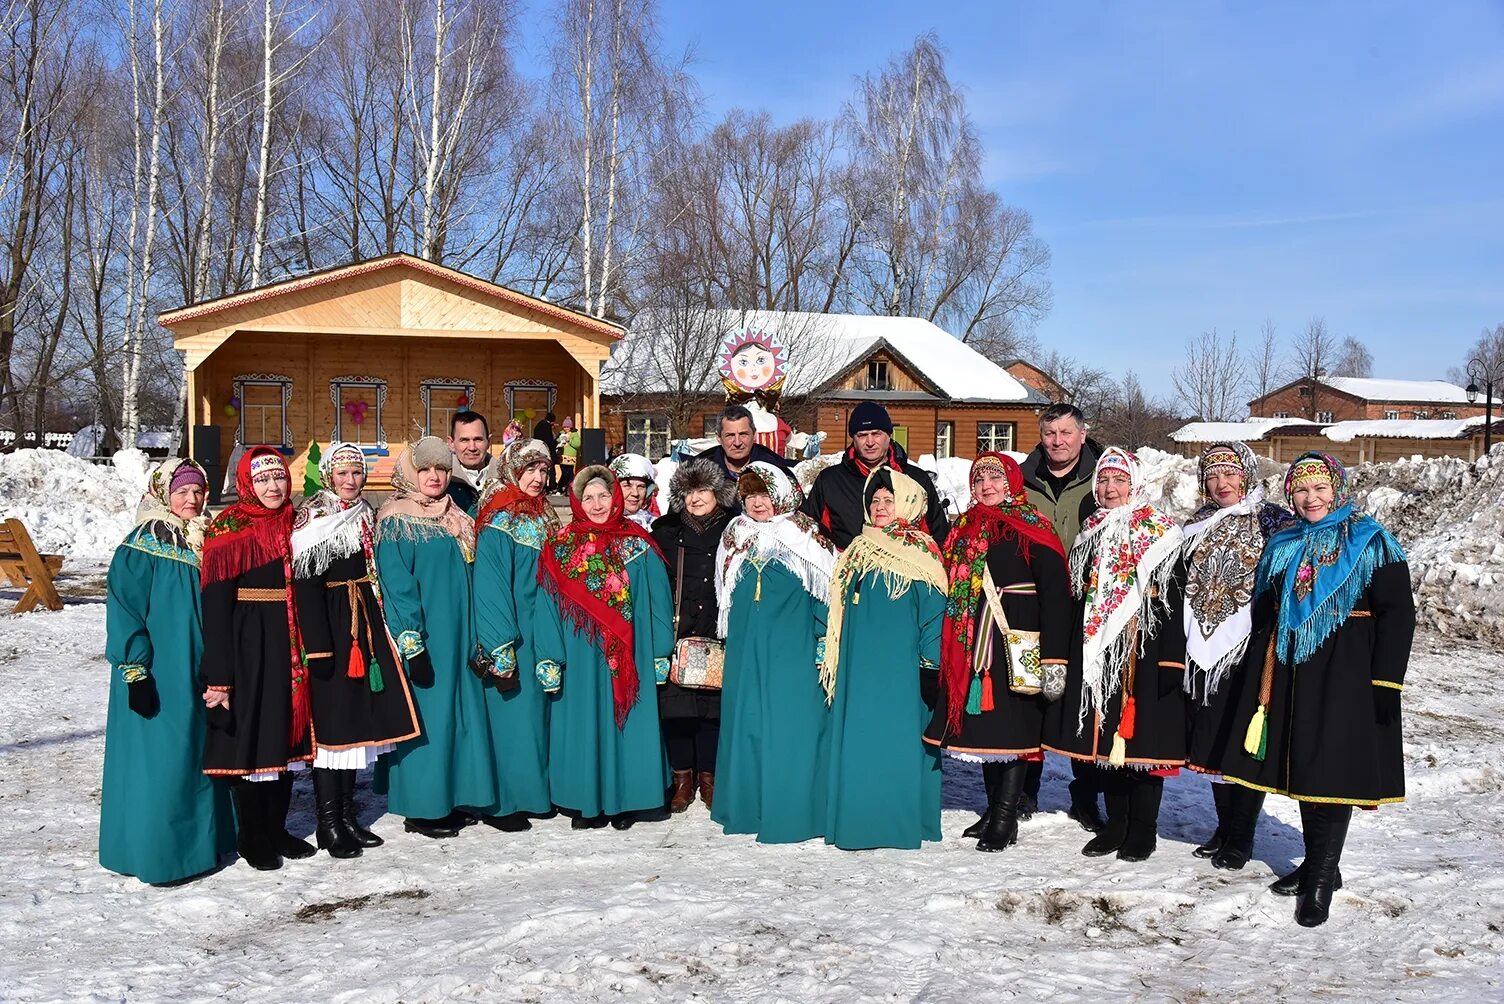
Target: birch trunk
(258, 240)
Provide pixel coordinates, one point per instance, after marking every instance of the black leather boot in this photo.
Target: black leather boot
(1220, 791)
(1290, 884)
(434, 829)
(1115, 829)
(331, 834)
(989, 782)
(1144, 794)
(250, 820)
(348, 812)
(279, 800)
(1084, 787)
(1325, 828)
(1002, 822)
(587, 822)
(1243, 807)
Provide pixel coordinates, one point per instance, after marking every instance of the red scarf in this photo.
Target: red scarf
(510, 498)
(582, 567)
(973, 534)
(247, 535)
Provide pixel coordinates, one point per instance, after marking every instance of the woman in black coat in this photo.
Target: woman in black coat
(701, 503)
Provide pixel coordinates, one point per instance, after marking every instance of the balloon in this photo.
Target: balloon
(463, 400)
(231, 411)
(235, 401)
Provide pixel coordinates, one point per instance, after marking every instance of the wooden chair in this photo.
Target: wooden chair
(26, 569)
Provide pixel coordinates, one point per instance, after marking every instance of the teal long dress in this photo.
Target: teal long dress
(425, 590)
(161, 818)
(506, 589)
(593, 766)
(772, 764)
(884, 780)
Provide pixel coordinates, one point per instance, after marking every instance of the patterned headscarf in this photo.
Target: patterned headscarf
(1221, 551)
(1322, 568)
(408, 500)
(326, 526)
(583, 568)
(975, 532)
(790, 539)
(155, 508)
(1121, 565)
(506, 494)
(636, 467)
(900, 552)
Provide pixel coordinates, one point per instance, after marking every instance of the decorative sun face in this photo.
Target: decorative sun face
(753, 366)
(753, 361)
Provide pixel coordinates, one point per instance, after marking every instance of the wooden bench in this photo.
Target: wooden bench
(26, 569)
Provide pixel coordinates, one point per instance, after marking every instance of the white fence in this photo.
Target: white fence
(50, 440)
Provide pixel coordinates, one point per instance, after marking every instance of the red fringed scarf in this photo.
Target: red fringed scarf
(246, 535)
(972, 535)
(582, 567)
(510, 498)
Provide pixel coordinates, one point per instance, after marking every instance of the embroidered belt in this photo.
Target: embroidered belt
(1019, 589)
(262, 595)
(1361, 613)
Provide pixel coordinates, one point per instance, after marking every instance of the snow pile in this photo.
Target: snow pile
(72, 507)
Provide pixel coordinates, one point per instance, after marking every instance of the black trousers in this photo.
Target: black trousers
(691, 743)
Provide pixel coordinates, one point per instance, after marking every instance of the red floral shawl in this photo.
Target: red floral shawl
(972, 535)
(583, 567)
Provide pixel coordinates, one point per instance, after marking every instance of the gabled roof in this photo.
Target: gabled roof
(312, 280)
(1386, 391)
(822, 348)
(1250, 431)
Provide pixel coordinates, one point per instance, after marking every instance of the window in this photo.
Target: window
(1448, 414)
(263, 398)
(648, 434)
(529, 400)
(994, 436)
(357, 410)
(1391, 416)
(1305, 390)
(1281, 414)
(877, 375)
(945, 437)
(1421, 415)
(441, 399)
(1324, 416)
(712, 427)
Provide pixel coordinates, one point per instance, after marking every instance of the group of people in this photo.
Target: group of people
(497, 664)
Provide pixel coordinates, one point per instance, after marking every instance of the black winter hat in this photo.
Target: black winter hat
(869, 415)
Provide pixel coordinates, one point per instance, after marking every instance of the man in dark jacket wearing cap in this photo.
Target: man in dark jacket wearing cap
(835, 499)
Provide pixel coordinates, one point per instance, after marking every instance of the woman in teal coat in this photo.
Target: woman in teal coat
(772, 583)
(515, 519)
(881, 674)
(604, 622)
(424, 547)
(161, 819)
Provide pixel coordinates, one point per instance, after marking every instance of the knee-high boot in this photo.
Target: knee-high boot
(1144, 794)
(1002, 819)
(1325, 830)
(1086, 781)
(1243, 806)
(347, 811)
(331, 834)
(252, 839)
(989, 782)
(1220, 791)
(1115, 829)
(278, 801)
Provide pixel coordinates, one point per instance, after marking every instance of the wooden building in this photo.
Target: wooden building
(1355, 442)
(945, 398)
(1351, 399)
(379, 353)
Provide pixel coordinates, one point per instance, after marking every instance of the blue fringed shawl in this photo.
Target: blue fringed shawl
(1322, 569)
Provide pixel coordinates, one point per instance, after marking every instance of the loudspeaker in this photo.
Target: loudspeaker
(592, 447)
(206, 453)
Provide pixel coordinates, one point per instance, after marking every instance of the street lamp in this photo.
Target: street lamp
(1479, 373)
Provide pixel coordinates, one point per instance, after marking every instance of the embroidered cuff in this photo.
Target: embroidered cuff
(504, 659)
(820, 651)
(1053, 662)
(660, 669)
(317, 655)
(409, 643)
(1389, 684)
(550, 675)
(223, 690)
(132, 672)
(925, 663)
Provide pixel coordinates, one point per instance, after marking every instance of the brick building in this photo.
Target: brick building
(1348, 399)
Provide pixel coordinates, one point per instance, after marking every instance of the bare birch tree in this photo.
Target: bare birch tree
(1209, 383)
(1263, 361)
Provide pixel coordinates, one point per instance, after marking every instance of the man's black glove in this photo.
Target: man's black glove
(142, 697)
(420, 669)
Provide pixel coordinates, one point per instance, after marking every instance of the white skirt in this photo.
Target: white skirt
(355, 758)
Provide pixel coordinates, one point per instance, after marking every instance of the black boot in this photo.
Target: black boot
(1290, 884)
(279, 800)
(1325, 828)
(1028, 800)
(347, 811)
(1084, 788)
(331, 833)
(516, 822)
(250, 819)
(1002, 821)
(1144, 795)
(989, 782)
(434, 829)
(623, 821)
(1115, 829)
(1220, 791)
(1243, 806)
(587, 822)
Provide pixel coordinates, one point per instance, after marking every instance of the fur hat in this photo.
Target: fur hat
(700, 473)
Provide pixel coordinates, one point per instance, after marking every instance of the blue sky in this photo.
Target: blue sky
(1195, 165)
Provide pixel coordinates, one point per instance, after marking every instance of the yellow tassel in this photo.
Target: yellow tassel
(1119, 755)
(1253, 742)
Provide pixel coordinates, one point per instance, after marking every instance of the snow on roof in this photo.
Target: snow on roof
(821, 347)
(1435, 428)
(1248, 431)
(1432, 391)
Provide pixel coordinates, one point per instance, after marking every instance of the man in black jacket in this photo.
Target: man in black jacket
(835, 499)
(737, 445)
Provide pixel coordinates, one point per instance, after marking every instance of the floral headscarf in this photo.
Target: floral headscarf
(326, 526)
(583, 568)
(900, 552)
(408, 500)
(506, 494)
(972, 536)
(155, 508)
(790, 539)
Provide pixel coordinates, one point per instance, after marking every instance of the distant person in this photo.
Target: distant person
(835, 499)
(474, 467)
(569, 450)
(544, 433)
(737, 445)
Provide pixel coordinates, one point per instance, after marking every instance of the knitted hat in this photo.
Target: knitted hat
(187, 474)
(869, 415)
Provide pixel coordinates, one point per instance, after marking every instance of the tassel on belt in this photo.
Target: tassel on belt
(360, 618)
(261, 595)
